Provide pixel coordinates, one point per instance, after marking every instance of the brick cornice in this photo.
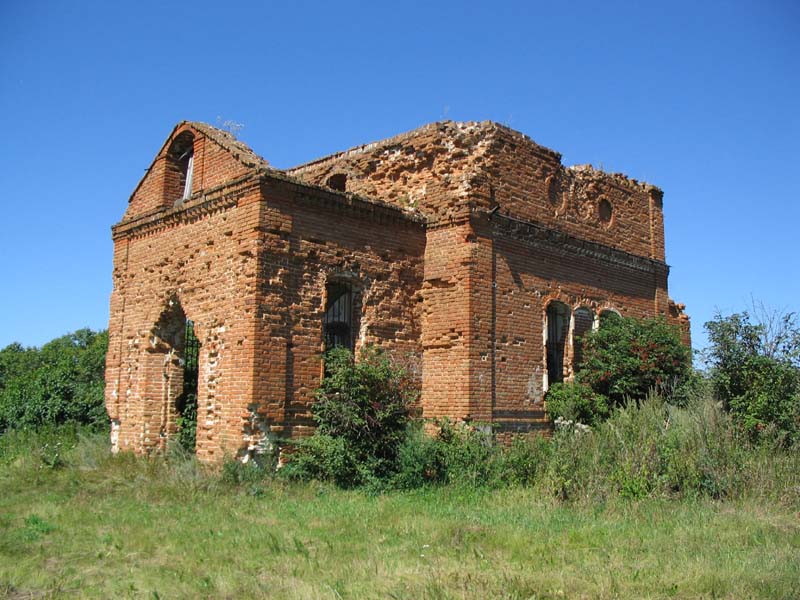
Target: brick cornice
(214, 200)
(539, 236)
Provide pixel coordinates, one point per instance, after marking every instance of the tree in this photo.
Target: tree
(61, 382)
(754, 365)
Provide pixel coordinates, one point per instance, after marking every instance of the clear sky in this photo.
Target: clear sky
(699, 98)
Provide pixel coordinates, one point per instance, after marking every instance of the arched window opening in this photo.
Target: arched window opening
(605, 211)
(186, 403)
(338, 182)
(180, 168)
(584, 320)
(558, 315)
(338, 318)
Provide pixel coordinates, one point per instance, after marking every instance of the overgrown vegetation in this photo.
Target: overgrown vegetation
(94, 525)
(578, 402)
(755, 371)
(622, 478)
(624, 360)
(627, 358)
(60, 383)
(651, 445)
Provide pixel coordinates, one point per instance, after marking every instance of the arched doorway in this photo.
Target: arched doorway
(186, 403)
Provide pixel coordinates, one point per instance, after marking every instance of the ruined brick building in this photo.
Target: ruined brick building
(465, 249)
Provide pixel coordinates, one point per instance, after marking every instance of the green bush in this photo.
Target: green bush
(466, 455)
(327, 458)
(421, 460)
(469, 453)
(186, 424)
(362, 412)
(60, 383)
(573, 401)
(524, 461)
(755, 371)
(626, 358)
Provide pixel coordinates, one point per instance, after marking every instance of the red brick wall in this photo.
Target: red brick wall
(205, 262)
(444, 169)
(307, 240)
(528, 181)
(430, 170)
(248, 263)
(455, 238)
(521, 274)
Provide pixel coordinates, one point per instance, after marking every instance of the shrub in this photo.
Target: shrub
(469, 453)
(755, 370)
(327, 458)
(626, 358)
(421, 460)
(186, 424)
(525, 460)
(362, 412)
(465, 455)
(577, 402)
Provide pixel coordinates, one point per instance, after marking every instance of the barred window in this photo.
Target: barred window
(338, 318)
(558, 315)
(584, 321)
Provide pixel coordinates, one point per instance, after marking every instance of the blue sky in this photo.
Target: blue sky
(699, 98)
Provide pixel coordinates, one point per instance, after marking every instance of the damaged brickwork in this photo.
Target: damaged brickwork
(464, 249)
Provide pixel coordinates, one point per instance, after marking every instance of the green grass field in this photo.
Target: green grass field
(98, 526)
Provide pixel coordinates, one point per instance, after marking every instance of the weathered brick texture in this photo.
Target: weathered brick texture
(453, 240)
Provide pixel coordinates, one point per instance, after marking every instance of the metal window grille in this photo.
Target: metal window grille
(584, 320)
(338, 318)
(557, 329)
(187, 402)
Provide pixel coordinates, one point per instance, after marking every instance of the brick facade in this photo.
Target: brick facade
(451, 241)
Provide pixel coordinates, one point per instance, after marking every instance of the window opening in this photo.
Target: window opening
(338, 318)
(187, 175)
(338, 182)
(557, 329)
(180, 168)
(606, 210)
(584, 320)
(186, 404)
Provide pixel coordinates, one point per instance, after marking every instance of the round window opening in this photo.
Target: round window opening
(606, 211)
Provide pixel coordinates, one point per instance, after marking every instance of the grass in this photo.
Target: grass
(87, 524)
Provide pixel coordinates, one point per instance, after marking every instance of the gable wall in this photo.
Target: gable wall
(202, 258)
(213, 166)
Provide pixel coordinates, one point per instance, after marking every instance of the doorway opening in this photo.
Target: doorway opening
(186, 403)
